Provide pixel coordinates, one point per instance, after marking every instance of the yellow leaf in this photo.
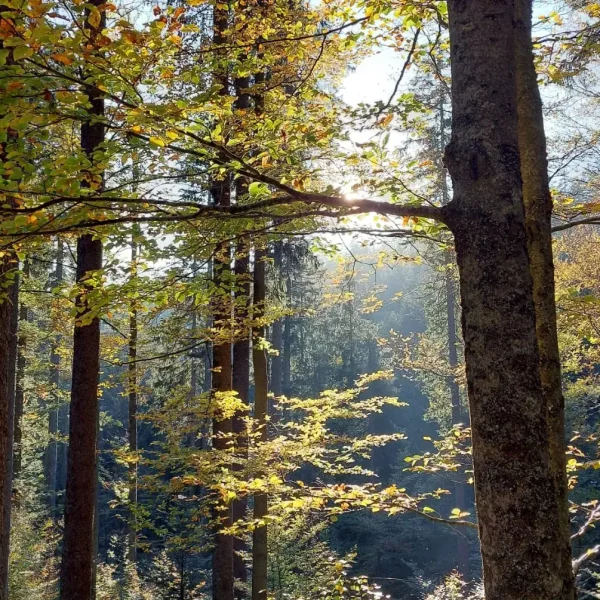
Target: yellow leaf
(94, 19)
(157, 141)
(62, 58)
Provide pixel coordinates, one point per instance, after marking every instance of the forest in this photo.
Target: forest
(299, 299)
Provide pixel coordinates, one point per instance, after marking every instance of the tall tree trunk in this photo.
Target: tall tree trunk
(51, 453)
(20, 382)
(241, 384)
(77, 574)
(9, 313)
(222, 560)
(241, 359)
(286, 367)
(276, 381)
(286, 384)
(78, 550)
(261, 385)
(514, 483)
(132, 382)
(538, 223)
(9, 298)
(222, 563)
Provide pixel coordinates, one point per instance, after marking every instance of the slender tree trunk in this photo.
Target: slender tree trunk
(241, 360)
(241, 384)
(514, 483)
(8, 353)
(286, 367)
(222, 559)
(259, 359)
(61, 454)
(538, 222)
(78, 550)
(132, 382)
(276, 381)
(9, 298)
(287, 357)
(51, 454)
(77, 574)
(20, 383)
(222, 563)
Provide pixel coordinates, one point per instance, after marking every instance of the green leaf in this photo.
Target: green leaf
(21, 52)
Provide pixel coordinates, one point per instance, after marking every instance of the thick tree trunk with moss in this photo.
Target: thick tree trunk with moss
(514, 484)
(538, 223)
(261, 407)
(78, 567)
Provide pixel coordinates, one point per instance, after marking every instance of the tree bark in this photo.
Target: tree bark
(77, 574)
(261, 387)
(537, 199)
(78, 551)
(514, 484)
(222, 560)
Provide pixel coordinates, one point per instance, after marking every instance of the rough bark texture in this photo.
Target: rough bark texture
(222, 563)
(514, 484)
(538, 222)
(77, 574)
(261, 386)
(78, 550)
